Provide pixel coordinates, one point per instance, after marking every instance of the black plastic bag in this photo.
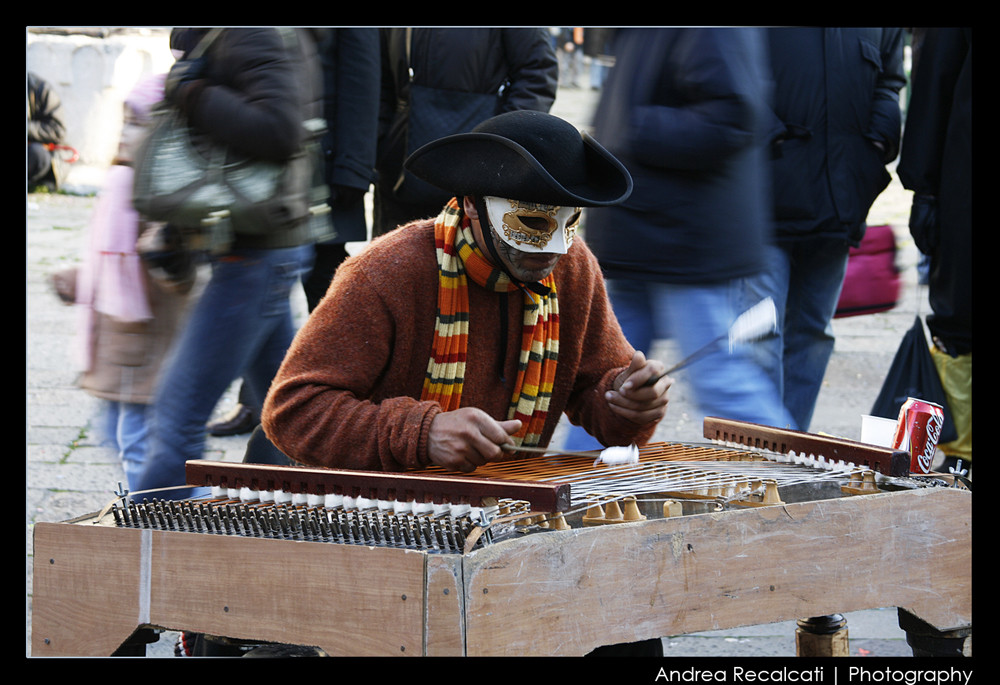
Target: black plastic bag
(913, 374)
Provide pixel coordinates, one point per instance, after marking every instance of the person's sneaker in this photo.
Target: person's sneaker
(240, 420)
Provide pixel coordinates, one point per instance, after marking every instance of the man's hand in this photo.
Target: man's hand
(466, 438)
(633, 399)
(925, 227)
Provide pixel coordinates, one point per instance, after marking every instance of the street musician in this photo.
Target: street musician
(452, 341)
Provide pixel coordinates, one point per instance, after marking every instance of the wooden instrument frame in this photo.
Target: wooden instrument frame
(549, 593)
(887, 461)
(377, 484)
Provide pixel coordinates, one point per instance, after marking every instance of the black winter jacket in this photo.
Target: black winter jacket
(936, 163)
(682, 109)
(475, 60)
(260, 91)
(836, 95)
(351, 72)
(45, 123)
(521, 61)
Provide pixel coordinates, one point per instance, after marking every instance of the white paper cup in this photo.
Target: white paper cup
(877, 430)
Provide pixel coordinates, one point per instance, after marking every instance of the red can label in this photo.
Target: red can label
(917, 432)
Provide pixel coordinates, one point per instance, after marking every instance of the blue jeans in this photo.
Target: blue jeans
(240, 327)
(725, 385)
(804, 278)
(126, 428)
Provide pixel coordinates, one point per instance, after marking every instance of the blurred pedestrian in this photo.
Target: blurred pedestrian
(834, 126)
(683, 109)
(45, 128)
(935, 162)
(127, 316)
(350, 59)
(597, 46)
(571, 56)
(257, 91)
(351, 70)
(917, 34)
(442, 81)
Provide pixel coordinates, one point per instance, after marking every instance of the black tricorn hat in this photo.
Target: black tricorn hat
(524, 155)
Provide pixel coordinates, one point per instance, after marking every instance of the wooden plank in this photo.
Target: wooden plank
(423, 487)
(566, 592)
(783, 440)
(345, 599)
(86, 598)
(445, 634)
(94, 585)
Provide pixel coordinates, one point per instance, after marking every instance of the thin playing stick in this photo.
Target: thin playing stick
(757, 323)
(609, 455)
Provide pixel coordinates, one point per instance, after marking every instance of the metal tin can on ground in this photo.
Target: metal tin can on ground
(918, 429)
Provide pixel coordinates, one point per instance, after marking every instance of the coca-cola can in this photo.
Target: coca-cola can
(917, 432)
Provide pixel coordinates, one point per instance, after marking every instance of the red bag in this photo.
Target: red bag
(872, 280)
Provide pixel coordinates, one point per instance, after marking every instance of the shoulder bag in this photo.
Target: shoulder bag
(199, 184)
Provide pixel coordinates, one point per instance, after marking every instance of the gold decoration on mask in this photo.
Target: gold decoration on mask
(534, 224)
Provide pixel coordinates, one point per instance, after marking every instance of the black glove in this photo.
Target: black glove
(924, 226)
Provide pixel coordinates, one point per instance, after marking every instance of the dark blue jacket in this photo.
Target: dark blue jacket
(682, 109)
(351, 72)
(836, 95)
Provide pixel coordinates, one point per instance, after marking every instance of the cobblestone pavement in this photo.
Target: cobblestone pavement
(68, 473)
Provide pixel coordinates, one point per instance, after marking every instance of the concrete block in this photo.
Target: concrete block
(92, 70)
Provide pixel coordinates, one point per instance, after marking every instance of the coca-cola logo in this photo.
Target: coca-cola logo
(935, 424)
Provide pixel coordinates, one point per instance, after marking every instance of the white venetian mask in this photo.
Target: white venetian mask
(533, 227)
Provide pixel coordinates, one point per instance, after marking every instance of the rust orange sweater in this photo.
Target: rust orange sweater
(347, 394)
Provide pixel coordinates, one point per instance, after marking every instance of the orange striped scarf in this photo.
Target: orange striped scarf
(458, 260)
